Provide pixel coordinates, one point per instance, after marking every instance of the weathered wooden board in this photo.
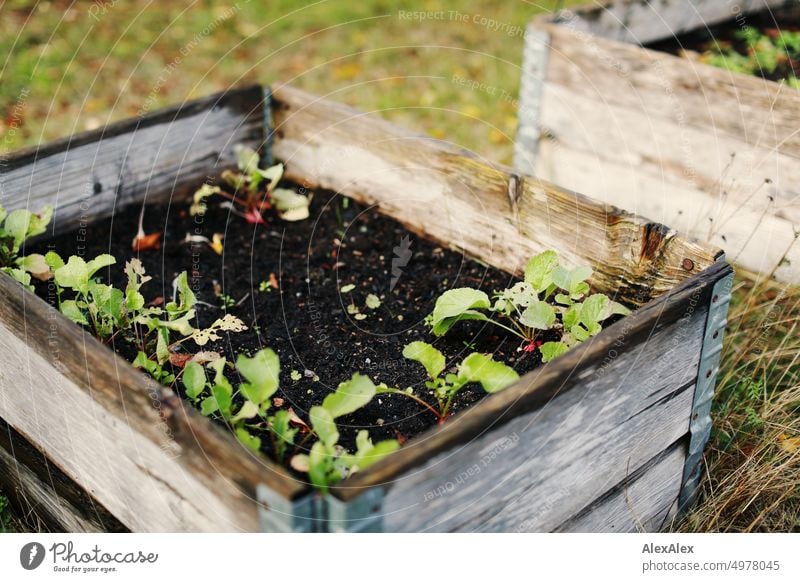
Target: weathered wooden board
(642, 22)
(482, 208)
(645, 502)
(166, 153)
(43, 494)
(714, 154)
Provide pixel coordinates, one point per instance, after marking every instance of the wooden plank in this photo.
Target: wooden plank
(40, 490)
(482, 208)
(642, 503)
(643, 21)
(164, 154)
(154, 462)
(552, 383)
(754, 239)
(758, 112)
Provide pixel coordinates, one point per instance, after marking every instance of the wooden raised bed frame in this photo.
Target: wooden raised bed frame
(678, 141)
(606, 438)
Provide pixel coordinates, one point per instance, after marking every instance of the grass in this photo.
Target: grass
(70, 67)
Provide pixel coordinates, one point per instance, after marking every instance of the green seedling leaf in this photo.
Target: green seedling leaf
(539, 270)
(251, 442)
(551, 350)
(273, 174)
(350, 396)
(284, 432)
(194, 379)
(247, 411)
(492, 375)
(36, 265)
(162, 346)
(372, 301)
(319, 465)
(572, 281)
(72, 312)
(261, 372)
(347, 288)
(20, 276)
(21, 225)
(368, 454)
(209, 406)
(246, 158)
(432, 359)
(594, 309)
(186, 297)
(457, 305)
(290, 205)
(324, 425)
(199, 206)
(73, 275)
(53, 260)
(538, 315)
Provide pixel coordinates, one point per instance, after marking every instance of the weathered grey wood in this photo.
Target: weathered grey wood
(164, 154)
(714, 154)
(471, 204)
(41, 493)
(642, 503)
(542, 468)
(639, 21)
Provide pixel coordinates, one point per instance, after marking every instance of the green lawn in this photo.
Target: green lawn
(453, 75)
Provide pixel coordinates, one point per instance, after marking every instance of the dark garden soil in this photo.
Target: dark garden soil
(724, 34)
(306, 320)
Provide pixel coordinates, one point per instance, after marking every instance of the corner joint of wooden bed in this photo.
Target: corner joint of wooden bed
(700, 420)
(317, 513)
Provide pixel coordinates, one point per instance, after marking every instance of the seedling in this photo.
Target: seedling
(327, 462)
(773, 54)
(16, 227)
(549, 297)
(254, 191)
(479, 368)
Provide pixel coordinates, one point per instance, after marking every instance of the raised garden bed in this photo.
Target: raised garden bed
(606, 437)
(608, 110)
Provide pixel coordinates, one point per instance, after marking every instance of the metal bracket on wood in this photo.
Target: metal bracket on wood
(534, 69)
(700, 423)
(315, 513)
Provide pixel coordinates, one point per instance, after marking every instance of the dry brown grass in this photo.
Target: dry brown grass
(752, 464)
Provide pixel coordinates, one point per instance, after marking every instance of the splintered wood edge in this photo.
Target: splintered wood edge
(482, 208)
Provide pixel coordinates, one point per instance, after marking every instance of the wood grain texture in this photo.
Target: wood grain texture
(714, 154)
(471, 204)
(638, 21)
(642, 503)
(151, 159)
(45, 495)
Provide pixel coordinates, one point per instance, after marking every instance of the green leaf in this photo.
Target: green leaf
(539, 315)
(324, 426)
(373, 302)
(492, 375)
(53, 260)
(319, 464)
(284, 432)
(551, 350)
(594, 309)
(209, 406)
(186, 298)
(98, 263)
(251, 442)
(182, 325)
(273, 174)
(572, 316)
(74, 313)
(20, 276)
(73, 275)
(615, 308)
(194, 379)
(539, 270)
(261, 372)
(456, 305)
(368, 454)
(349, 396)
(248, 410)
(22, 224)
(162, 346)
(432, 359)
(290, 205)
(246, 158)
(572, 281)
(223, 394)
